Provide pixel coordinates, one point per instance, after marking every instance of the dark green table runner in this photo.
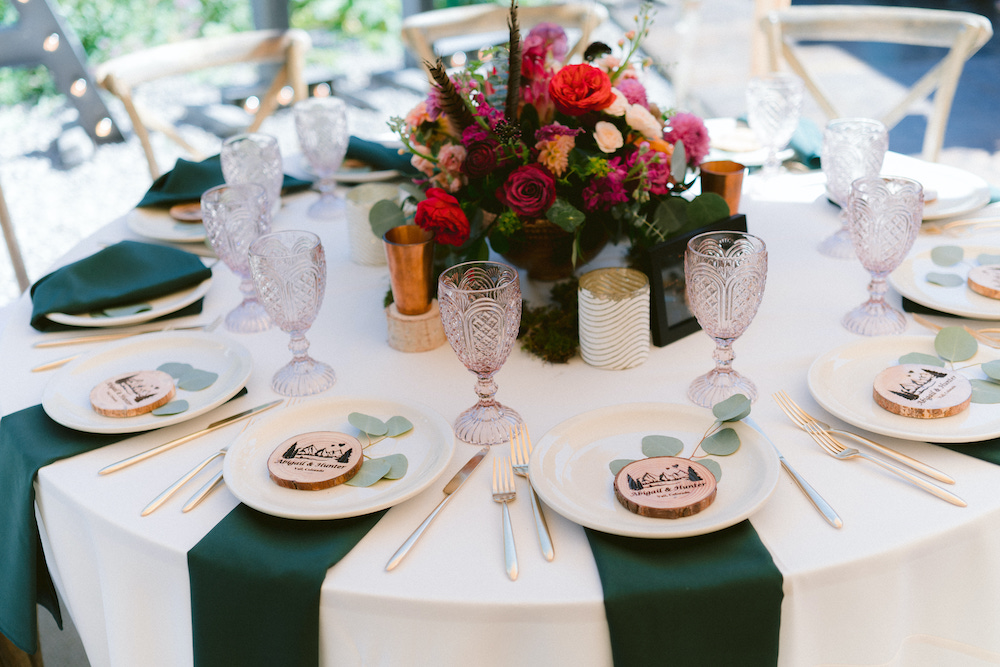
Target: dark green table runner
(708, 600)
(30, 440)
(255, 586)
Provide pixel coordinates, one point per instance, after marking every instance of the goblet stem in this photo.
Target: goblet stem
(329, 205)
(875, 317)
(839, 243)
(303, 375)
(772, 165)
(250, 316)
(723, 355)
(488, 422)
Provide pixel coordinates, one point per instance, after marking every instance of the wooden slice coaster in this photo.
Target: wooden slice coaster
(665, 487)
(922, 392)
(190, 212)
(985, 280)
(133, 393)
(315, 460)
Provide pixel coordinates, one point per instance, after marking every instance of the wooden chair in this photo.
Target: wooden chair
(421, 32)
(121, 75)
(13, 248)
(962, 33)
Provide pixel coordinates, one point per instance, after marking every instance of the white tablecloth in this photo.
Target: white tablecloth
(908, 580)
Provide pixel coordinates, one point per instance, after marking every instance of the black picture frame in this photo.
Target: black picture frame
(669, 317)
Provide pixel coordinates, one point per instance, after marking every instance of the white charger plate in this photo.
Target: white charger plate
(157, 223)
(428, 449)
(841, 382)
(729, 140)
(958, 191)
(569, 469)
(299, 166)
(910, 280)
(159, 307)
(67, 395)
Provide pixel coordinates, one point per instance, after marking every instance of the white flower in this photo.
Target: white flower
(619, 106)
(608, 137)
(640, 119)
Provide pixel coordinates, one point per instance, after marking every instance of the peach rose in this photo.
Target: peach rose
(608, 137)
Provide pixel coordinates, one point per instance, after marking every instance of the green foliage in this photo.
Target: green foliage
(171, 408)
(372, 470)
(721, 443)
(661, 445)
(955, 344)
(921, 358)
(733, 409)
(367, 424)
(123, 311)
(188, 377)
(984, 391)
(944, 279)
(947, 255)
(552, 332)
(986, 259)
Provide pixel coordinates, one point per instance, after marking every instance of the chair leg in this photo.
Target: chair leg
(13, 248)
(12, 656)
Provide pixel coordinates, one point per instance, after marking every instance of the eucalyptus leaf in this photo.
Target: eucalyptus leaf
(661, 445)
(372, 470)
(397, 426)
(175, 369)
(385, 215)
(196, 380)
(947, 255)
(992, 369)
(921, 358)
(733, 409)
(125, 311)
(986, 259)
(678, 162)
(714, 466)
(618, 464)
(722, 443)
(955, 344)
(171, 408)
(945, 279)
(398, 465)
(984, 391)
(367, 424)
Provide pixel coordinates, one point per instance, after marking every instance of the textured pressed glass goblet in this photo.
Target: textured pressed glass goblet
(774, 103)
(289, 271)
(254, 158)
(234, 216)
(884, 215)
(852, 148)
(724, 275)
(321, 126)
(481, 311)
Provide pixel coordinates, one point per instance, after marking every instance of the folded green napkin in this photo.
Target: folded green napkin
(188, 180)
(987, 450)
(125, 273)
(253, 567)
(378, 156)
(709, 600)
(807, 142)
(29, 440)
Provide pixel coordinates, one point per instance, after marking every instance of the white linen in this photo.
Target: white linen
(908, 580)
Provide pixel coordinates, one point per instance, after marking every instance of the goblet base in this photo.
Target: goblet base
(486, 424)
(716, 386)
(248, 317)
(874, 318)
(303, 376)
(327, 207)
(838, 245)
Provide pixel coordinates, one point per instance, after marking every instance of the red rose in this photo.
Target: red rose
(577, 89)
(441, 214)
(480, 159)
(529, 191)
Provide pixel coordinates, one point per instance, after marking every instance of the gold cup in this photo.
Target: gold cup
(724, 178)
(410, 253)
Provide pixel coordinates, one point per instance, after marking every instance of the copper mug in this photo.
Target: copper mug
(724, 178)
(410, 254)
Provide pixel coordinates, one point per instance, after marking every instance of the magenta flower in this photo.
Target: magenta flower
(633, 91)
(691, 130)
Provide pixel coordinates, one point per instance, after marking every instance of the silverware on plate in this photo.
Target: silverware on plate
(449, 491)
(520, 453)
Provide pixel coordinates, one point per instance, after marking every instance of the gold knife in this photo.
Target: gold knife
(97, 338)
(124, 463)
(449, 491)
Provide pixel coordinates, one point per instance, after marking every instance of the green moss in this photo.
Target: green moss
(552, 332)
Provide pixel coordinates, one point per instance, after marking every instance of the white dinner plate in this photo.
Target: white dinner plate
(157, 223)
(958, 191)
(730, 140)
(569, 469)
(428, 449)
(910, 280)
(841, 381)
(160, 306)
(67, 395)
(301, 168)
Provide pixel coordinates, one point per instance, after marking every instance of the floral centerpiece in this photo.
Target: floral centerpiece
(524, 146)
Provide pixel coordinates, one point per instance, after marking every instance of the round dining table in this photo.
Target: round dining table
(907, 580)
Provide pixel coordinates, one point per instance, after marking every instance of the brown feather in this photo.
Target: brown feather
(514, 68)
(451, 101)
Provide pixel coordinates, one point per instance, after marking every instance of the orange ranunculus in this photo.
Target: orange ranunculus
(577, 89)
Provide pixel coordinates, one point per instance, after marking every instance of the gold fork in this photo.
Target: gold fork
(520, 453)
(803, 419)
(837, 450)
(503, 493)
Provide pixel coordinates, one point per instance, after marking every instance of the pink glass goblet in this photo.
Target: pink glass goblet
(481, 311)
(774, 104)
(884, 215)
(234, 216)
(724, 274)
(254, 158)
(852, 148)
(289, 271)
(321, 126)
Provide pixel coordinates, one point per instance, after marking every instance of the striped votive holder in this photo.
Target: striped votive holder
(614, 318)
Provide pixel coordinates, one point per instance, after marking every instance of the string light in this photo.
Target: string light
(252, 104)
(51, 42)
(285, 95)
(78, 88)
(321, 90)
(103, 127)
(458, 60)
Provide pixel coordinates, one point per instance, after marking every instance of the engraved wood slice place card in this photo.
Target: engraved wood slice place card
(133, 393)
(922, 392)
(665, 487)
(315, 460)
(189, 212)
(985, 280)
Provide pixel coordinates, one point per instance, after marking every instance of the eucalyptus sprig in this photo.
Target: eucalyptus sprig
(956, 344)
(375, 430)
(952, 255)
(187, 378)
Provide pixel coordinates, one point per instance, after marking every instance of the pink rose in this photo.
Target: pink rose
(529, 191)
